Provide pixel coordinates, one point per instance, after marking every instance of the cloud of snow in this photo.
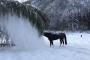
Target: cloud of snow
(24, 35)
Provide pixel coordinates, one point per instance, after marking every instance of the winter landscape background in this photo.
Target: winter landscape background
(25, 20)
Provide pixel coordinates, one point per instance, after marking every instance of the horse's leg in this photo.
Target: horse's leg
(50, 43)
(60, 42)
(65, 40)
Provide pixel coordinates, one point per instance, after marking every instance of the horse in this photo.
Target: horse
(54, 36)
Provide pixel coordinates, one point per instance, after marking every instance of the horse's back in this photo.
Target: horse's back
(51, 36)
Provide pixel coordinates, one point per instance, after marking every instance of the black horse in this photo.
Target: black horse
(53, 36)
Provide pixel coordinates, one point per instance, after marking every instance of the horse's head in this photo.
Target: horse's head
(46, 34)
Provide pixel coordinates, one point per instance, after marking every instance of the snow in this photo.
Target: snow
(78, 48)
(21, 32)
(21, 0)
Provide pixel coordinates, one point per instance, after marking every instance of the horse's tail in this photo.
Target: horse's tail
(65, 40)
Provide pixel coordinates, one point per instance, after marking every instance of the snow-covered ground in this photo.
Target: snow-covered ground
(77, 49)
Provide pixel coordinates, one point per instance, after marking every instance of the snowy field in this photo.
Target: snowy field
(77, 49)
